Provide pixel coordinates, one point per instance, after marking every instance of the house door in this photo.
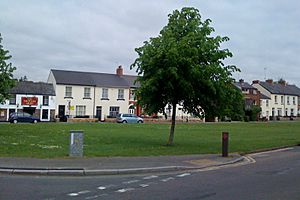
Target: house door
(131, 109)
(99, 112)
(10, 111)
(61, 113)
(45, 114)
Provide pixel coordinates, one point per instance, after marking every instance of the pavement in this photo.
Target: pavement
(112, 165)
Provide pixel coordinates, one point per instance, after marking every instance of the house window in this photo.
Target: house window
(87, 92)
(292, 112)
(114, 111)
(45, 100)
(286, 112)
(276, 100)
(104, 93)
(267, 103)
(121, 94)
(245, 91)
(80, 110)
(12, 100)
(288, 100)
(294, 100)
(132, 95)
(68, 92)
(282, 102)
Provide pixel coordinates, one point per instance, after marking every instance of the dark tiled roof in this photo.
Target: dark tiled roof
(244, 85)
(276, 88)
(93, 79)
(131, 81)
(262, 96)
(29, 87)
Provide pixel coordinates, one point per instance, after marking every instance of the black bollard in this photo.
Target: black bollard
(225, 138)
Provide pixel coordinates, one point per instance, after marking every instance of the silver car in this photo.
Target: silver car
(129, 118)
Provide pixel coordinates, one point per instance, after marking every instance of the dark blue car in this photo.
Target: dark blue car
(22, 117)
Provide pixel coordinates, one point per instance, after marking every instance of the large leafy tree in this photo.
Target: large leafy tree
(235, 105)
(6, 74)
(184, 65)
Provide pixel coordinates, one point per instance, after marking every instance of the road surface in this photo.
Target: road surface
(274, 175)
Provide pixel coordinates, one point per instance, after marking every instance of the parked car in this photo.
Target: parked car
(129, 118)
(22, 117)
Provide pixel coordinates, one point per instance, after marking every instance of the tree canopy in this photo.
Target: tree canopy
(184, 65)
(6, 74)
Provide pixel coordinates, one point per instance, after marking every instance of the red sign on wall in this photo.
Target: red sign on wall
(29, 101)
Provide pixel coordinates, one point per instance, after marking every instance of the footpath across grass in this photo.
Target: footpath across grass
(51, 140)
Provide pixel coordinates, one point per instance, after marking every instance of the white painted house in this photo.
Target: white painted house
(97, 95)
(37, 99)
(93, 95)
(280, 99)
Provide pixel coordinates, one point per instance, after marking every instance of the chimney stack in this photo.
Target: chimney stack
(241, 80)
(282, 82)
(255, 82)
(120, 71)
(269, 81)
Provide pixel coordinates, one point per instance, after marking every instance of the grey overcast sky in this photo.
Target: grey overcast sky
(99, 35)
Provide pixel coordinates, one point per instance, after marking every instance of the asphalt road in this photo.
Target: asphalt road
(273, 176)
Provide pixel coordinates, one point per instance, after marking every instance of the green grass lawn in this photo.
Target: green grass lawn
(49, 140)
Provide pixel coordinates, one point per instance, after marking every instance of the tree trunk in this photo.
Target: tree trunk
(171, 137)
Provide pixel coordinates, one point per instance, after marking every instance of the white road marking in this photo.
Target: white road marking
(73, 194)
(247, 160)
(183, 175)
(167, 179)
(150, 177)
(274, 151)
(105, 187)
(125, 190)
(144, 185)
(84, 192)
(96, 196)
(262, 155)
(129, 182)
(92, 197)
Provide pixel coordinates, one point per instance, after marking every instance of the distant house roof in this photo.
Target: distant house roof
(277, 88)
(29, 87)
(93, 79)
(244, 85)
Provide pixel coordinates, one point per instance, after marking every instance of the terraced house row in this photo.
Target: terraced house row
(277, 100)
(100, 96)
(93, 95)
(74, 95)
